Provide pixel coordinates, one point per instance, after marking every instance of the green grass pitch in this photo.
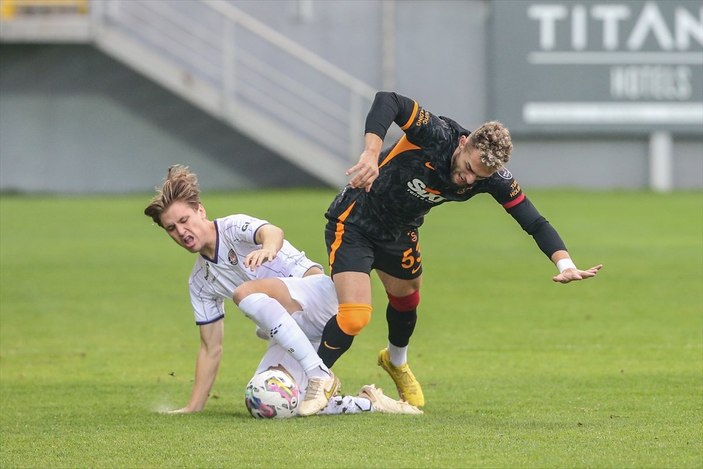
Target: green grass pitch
(97, 336)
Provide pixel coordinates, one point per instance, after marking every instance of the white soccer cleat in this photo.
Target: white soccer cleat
(318, 394)
(386, 405)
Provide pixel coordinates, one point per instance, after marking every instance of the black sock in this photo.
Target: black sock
(334, 342)
(401, 325)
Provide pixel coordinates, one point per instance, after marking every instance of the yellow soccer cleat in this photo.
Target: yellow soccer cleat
(409, 388)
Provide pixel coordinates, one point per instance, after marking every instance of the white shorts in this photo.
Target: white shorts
(318, 298)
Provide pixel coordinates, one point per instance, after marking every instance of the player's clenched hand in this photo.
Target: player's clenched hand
(365, 172)
(570, 275)
(256, 258)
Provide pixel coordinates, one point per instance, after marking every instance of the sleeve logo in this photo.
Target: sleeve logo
(504, 173)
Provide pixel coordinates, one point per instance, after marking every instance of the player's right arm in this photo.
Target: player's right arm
(270, 238)
(386, 108)
(365, 171)
(206, 366)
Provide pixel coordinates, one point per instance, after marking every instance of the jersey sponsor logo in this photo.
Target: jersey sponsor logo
(504, 173)
(232, 256)
(420, 190)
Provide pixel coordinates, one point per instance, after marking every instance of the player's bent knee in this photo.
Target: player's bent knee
(253, 305)
(241, 292)
(253, 286)
(352, 318)
(404, 303)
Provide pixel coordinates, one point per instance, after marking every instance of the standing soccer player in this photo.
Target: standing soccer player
(373, 223)
(231, 251)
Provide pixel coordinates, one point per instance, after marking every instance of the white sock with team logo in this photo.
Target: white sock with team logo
(398, 355)
(271, 316)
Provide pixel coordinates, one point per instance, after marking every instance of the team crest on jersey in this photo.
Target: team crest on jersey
(504, 173)
(232, 256)
(420, 190)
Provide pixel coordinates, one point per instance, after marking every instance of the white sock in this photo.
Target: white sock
(398, 355)
(269, 315)
(347, 405)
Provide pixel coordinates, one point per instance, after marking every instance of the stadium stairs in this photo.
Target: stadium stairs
(222, 60)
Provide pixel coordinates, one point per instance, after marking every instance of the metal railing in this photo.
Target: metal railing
(266, 85)
(223, 60)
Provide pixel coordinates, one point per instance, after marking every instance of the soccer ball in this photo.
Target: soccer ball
(272, 394)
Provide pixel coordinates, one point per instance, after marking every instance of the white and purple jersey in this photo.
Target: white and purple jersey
(213, 281)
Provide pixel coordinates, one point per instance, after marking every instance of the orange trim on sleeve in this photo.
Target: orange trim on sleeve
(412, 116)
(400, 147)
(339, 232)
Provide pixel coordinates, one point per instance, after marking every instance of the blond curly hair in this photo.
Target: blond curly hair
(180, 185)
(493, 142)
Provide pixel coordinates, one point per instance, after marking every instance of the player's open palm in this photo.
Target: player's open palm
(570, 275)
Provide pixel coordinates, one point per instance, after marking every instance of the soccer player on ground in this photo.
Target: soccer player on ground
(231, 251)
(373, 223)
(313, 303)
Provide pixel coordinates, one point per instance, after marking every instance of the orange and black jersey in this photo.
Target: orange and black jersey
(415, 175)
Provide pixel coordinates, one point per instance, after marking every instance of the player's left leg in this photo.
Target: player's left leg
(399, 267)
(263, 301)
(401, 315)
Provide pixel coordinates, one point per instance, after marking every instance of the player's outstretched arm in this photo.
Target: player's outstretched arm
(206, 366)
(568, 272)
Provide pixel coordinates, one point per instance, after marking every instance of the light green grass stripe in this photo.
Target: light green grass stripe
(96, 336)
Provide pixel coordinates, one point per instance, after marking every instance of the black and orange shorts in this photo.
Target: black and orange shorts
(351, 250)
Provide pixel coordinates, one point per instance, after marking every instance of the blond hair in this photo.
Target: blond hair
(180, 185)
(493, 142)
